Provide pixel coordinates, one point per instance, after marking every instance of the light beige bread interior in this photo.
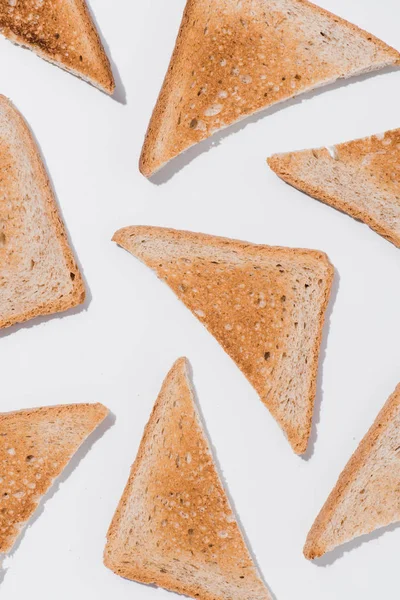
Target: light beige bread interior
(264, 305)
(62, 32)
(361, 178)
(174, 526)
(233, 59)
(38, 272)
(367, 494)
(35, 447)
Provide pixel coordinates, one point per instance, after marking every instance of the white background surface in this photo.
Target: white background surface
(119, 348)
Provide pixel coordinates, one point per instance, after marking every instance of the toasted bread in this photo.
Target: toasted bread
(366, 496)
(62, 32)
(360, 178)
(174, 526)
(38, 272)
(233, 59)
(264, 305)
(35, 447)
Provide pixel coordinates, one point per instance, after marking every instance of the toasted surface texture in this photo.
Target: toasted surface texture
(361, 178)
(264, 305)
(38, 272)
(62, 32)
(233, 59)
(174, 526)
(367, 494)
(35, 447)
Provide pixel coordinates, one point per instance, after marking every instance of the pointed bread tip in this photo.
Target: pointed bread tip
(143, 166)
(120, 235)
(309, 553)
(125, 237)
(102, 411)
(273, 162)
(313, 548)
(182, 364)
(299, 443)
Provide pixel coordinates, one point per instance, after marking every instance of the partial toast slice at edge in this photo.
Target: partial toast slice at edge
(281, 165)
(313, 547)
(103, 79)
(39, 173)
(96, 413)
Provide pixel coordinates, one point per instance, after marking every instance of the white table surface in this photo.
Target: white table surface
(119, 348)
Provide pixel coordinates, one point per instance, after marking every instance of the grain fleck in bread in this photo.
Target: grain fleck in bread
(174, 526)
(35, 447)
(233, 59)
(38, 272)
(361, 178)
(367, 494)
(264, 305)
(62, 32)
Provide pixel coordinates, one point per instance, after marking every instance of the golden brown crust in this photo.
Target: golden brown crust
(371, 162)
(214, 275)
(174, 526)
(232, 60)
(77, 294)
(61, 32)
(314, 547)
(35, 446)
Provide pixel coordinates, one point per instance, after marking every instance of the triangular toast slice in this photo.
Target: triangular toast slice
(361, 178)
(174, 526)
(264, 305)
(38, 272)
(367, 494)
(35, 447)
(233, 59)
(63, 33)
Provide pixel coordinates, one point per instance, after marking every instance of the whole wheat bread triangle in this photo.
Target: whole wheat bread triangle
(366, 496)
(35, 447)
(264, 305)
(361, 178)
(38, 272)
(233, 59)
(63, 33)
(174, 526)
